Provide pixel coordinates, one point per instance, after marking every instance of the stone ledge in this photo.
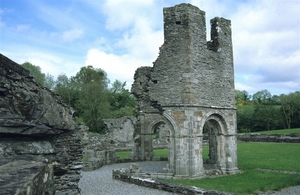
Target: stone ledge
(126, 176)
(280, 138)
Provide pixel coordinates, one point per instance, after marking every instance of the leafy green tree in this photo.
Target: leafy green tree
(35, 71)
(121, 101)
(49, 81)
(262, 97)
(67, 90)
(264, 117)
(290, 109)
(242, 97)
(93, 102)
(275, 99)
(244, 118)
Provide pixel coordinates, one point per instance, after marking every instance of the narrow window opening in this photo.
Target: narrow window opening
(178, 22)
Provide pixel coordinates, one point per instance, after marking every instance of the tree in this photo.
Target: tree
(290, 109)
(93, 104)
(244, 118)
(67, 90)
(35, 71)
(121, 101)
(49, 81)
(262, 97)
(241, 97)
(264, 117)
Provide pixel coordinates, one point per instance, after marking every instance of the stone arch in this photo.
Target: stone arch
(170, 123)
(217, 128)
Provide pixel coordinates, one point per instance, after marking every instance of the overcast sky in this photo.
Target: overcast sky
(119, 36)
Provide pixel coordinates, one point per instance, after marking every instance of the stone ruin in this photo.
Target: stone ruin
(189, 88)
(40, 142)
(101, 149)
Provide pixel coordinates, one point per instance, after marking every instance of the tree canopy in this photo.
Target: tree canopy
(266, 112)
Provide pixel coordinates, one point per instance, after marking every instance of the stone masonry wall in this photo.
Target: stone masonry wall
(101, 149)
(121, 129)
(40, 142)
(284, 138)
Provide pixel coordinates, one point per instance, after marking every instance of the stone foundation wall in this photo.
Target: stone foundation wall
(99, 151)
(281, 138)
(40, 141)
(127, 175)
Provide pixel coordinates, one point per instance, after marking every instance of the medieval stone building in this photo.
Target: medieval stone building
(189, 88)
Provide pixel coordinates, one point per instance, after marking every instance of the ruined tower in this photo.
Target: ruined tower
(190, 87)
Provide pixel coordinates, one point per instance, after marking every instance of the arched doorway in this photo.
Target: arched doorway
(214, 127)
(162, 133)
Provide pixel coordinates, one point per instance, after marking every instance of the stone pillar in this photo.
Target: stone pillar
(188, 145)
(231, 157)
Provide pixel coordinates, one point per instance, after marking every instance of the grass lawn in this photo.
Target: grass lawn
(123, 154)
(157, 153)
(281, 131)
(251, 156)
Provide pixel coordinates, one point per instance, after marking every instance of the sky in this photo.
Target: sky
(118, 36)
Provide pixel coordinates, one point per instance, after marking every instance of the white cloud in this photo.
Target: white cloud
(71, 35)
(117, 67)
(123, 13)
(142, 41)
(242, 87)
(265, 46)
(138, 46)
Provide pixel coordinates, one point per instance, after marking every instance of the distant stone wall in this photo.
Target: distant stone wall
(101, 149)
(40, 141)
(281, 138)
(121, 129)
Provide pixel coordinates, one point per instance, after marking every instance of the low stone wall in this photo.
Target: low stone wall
(280, 138)
(101, 150)
(130, 176)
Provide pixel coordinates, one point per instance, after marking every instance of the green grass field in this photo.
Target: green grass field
(276, 156)
(252, 156)
(157, 153)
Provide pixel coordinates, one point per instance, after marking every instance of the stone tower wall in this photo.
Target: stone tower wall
(190, 85)
(189, 70)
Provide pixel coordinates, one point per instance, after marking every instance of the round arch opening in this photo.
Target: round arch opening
(213, 131)
(162, 134)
